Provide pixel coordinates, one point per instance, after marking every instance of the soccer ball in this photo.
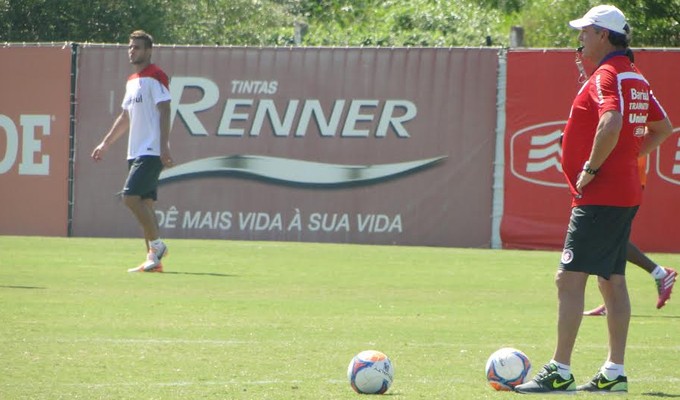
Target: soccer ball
(507, 368)
(370, 372)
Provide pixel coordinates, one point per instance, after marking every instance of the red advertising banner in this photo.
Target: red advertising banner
(376, 146)
(540, 88)
(34, 139)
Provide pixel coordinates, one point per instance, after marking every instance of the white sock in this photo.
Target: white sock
(563, 369)
(156, 243)
(659, 272)
(612, 371)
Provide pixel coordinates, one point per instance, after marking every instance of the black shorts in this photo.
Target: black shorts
(143, 176)
(597, 239)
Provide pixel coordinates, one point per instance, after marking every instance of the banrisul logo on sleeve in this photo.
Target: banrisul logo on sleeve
(668, 159)
(535, 154)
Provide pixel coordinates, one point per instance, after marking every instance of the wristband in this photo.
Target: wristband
(588, 170)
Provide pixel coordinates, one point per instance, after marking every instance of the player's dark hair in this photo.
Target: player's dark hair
(622, 40)
(143, 36)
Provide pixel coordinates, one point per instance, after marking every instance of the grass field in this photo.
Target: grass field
(271, 320)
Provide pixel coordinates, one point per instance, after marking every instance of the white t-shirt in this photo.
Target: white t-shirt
(143, 91)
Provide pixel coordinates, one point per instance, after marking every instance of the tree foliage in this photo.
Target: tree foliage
(399, 23)
(229, 22)
(656, 23)
(75, 20)
(209, 22)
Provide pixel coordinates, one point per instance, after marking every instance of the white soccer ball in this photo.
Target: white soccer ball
(370, 372)
(507, 368)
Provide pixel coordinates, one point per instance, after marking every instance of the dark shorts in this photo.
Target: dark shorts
(143, 176)
(597, 239)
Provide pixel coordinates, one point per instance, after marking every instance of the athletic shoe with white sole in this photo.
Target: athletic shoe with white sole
(597, 311)
(665, 286)
(548, 381)
(600, 384)
(152, 264)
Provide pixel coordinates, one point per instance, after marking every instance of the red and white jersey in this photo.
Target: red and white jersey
(616, 85)
(143, 91)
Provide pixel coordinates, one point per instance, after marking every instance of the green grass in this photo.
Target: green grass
(270, 320)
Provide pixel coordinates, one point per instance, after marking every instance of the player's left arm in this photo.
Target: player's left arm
(164, 111)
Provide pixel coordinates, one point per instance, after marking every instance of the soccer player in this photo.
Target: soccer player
(146, 118)
(663, 277)
(614, 119)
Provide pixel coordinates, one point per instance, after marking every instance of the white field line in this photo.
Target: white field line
(464, 347)
(214, 342)
(265, 382)
(191, 383)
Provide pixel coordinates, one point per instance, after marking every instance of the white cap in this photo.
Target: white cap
(608, 17)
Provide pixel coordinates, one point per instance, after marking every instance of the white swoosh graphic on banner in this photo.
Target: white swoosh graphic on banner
(290, 171)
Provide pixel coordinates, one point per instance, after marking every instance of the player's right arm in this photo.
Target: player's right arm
(119, 127)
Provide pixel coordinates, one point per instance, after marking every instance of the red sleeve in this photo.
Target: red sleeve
(161, 77)
(156, 73)
(607, 94)
(656, 112)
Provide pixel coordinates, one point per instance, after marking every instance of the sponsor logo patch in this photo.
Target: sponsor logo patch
(567, 256)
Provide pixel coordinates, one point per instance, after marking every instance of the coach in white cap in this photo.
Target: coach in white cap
(614, 119)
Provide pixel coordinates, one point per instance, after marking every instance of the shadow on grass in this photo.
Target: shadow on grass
(22, 287)
(662, 394)
(198, 274)
(655, 316)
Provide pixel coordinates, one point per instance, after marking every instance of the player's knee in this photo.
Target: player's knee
(132, 201)
(569, 282)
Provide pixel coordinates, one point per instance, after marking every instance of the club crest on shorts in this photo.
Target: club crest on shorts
(567, 256)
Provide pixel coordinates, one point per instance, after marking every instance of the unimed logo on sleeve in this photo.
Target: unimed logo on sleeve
(535, 154)
(668, 159)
